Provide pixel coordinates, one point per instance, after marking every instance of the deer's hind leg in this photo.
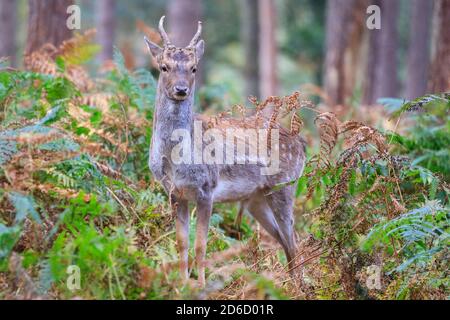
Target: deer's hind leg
(259, 208)
(282, 204)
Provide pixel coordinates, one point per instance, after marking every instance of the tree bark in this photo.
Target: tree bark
(419, 48)
(8, 25)
(183, 16)
(387, 83)
(182, 19)
(338, 31)
(106, 27)
(371, 64)
(47, 23)
(353, 54)
(268, 49)
(440, 69)
(250, 43)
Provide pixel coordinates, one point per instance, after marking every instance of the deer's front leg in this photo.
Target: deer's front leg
(182, 226)
(204, 209)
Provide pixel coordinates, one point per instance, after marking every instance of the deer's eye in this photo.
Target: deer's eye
(194, 70)
(164, 68)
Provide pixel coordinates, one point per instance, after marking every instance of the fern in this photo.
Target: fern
(65, 144)
(149, 197)
(421, 104)
(24, 206)
(422, 233)
(140, 85)
(46, 278)
(9, 145)
(79, 52)
(8, 238)
(63, 179)
(7, 149)
(428, 140)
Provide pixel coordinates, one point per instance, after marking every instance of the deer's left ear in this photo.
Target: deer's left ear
(154, 49)
(200, 49)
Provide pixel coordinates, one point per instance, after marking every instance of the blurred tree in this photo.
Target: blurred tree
(440, 69)
(419, 48)
(183, 16)
(8, 25)
(106, 25)
(222, 26)
(339, 29)
(387, 83)
(371, 64)
(250, 43)
(304, 25)
(353, 55)
(47, 23)
(268, 49)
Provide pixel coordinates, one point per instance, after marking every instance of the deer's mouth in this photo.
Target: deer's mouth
(180, 95)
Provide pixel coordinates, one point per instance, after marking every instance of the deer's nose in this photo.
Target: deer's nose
(181, 90)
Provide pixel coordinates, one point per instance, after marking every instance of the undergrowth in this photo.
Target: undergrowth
(75, 190)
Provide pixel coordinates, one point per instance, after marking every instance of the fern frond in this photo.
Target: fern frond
(79, 49)
(426, 225)
(24, 206)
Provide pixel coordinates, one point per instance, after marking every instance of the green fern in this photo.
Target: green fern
(421, 104)
(63, 179)
(9, 235)
(8, 238)
(46, 278)
(24, 206)
(140, 85)
(421, 233)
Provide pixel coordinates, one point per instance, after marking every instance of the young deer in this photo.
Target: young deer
(205, 184)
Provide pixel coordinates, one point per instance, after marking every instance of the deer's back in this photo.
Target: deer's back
(233, 182)
(236, 182)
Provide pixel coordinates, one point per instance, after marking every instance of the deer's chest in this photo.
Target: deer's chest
(187, 181)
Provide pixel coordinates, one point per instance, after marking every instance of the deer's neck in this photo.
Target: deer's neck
(169, 116)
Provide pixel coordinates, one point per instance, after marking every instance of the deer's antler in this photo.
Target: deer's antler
(162, 32)
(196, 37)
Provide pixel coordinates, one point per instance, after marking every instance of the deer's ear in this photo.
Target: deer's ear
(154, 49)
(200, 49)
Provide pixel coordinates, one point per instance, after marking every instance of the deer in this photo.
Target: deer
(205, 184)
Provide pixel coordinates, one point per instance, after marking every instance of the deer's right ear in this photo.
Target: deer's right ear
(154, 49)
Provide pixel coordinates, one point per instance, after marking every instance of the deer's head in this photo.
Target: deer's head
(177, 65)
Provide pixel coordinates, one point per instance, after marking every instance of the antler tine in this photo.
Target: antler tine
(162, 32)
(197, 35)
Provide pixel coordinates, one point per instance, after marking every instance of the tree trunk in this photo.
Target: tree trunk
(250, 43)
(353, 55)
(106, 27)
(387, 84)
(47, 23)
(8, 20)
(267, 49)
(371, 66)
(419, 48)
(338, 30)
(440, 70)
(183, 17)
